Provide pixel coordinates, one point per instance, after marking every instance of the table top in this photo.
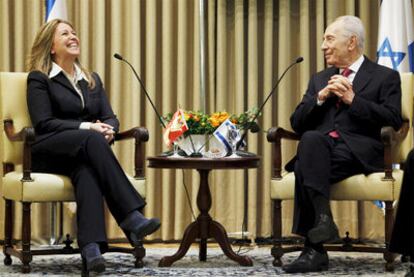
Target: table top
(204, 163)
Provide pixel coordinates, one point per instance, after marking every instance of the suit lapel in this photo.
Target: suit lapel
(84, 89)
(326, 77)
(61, 79)
(363, 76)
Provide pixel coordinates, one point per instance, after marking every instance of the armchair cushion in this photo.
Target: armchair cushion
(358, 187)
(47, 187)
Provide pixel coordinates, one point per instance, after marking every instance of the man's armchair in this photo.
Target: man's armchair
(384, 186)
(20, 184)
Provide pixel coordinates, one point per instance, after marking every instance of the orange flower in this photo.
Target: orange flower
(214, 122)
(202, 123)
(187, 116)
(223, 116)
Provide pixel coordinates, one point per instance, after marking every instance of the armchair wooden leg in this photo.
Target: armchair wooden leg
(139, 251)
(277, 251)
(8, 231)
(26, 237)
(389, 224)
(139, 254)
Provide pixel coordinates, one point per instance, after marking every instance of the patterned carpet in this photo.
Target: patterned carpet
(341, 264)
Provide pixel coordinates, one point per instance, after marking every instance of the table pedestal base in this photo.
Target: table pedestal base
(204, 227)
(217, 232)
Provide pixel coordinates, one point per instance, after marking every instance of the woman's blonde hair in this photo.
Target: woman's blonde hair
(40, 57)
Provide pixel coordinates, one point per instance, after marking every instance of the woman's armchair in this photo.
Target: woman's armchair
(20, 184)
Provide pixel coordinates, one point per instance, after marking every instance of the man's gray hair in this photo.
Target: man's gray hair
(352, 26)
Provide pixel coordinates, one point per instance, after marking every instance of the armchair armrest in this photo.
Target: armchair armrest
(274, 136)
(140, 134)
(391, 139)
(27, 136)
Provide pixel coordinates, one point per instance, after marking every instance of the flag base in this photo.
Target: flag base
(196, 155)
(242, 153)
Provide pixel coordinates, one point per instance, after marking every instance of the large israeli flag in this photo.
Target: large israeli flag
(56, 9)
(395, 35)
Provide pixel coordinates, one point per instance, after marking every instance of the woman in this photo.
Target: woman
(75, 126)
(402, 240)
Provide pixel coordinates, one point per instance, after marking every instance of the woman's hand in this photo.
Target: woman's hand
(105, 129)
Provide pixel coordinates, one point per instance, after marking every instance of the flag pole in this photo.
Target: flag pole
(197, 154)
(202, 56)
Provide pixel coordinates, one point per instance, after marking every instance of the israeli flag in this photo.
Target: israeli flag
(56, 9)
(222, 134)
(395, 35)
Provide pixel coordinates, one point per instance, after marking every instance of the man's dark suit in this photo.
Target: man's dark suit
(377, 103)
(84, 155)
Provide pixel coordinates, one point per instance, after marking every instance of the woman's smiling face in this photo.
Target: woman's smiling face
(66, 44)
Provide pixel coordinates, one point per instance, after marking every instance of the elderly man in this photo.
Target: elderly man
(340, 119)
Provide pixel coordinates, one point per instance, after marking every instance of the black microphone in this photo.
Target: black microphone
(119, 57)
(298, 60)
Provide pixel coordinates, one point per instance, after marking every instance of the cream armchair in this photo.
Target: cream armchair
(20, 184)
(383, 186)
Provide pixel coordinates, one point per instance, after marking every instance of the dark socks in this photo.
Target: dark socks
(320, 203)
(317, 246)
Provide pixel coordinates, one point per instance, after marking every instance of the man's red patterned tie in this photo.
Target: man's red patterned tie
(346, 72)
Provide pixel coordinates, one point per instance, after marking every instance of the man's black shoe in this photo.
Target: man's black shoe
(309, 260)
(410, 272)
(324, 231)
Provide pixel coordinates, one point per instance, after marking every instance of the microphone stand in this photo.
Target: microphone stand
(119, 57)
(244, 240)
(250, 124)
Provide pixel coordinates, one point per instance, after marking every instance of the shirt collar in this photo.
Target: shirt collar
(356, 65)
(56, 69)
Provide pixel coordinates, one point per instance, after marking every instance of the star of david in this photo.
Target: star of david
(386, 51)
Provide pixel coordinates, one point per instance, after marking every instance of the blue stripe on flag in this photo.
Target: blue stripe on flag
(49, 6)
(228, 123)
(411, 56)
(224, 141)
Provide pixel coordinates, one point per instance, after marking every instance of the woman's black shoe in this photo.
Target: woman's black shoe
(92, 259)
(138, 226)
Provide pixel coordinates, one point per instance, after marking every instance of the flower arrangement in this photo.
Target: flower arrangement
(200, 123)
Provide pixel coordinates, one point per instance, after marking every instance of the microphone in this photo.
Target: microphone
(119, 57)
(298, 60)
